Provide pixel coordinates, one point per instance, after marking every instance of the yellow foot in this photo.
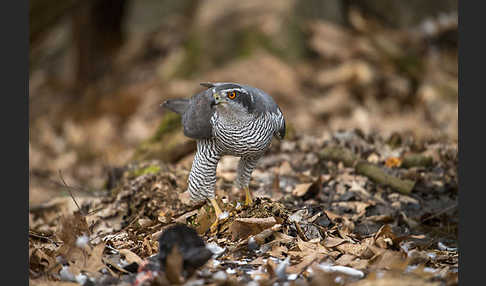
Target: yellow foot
(217, 212)
(248, 200)
(214, 227)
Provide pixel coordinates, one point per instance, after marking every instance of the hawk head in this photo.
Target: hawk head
(232, 98)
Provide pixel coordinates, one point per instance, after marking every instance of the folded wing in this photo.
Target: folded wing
(196, 114)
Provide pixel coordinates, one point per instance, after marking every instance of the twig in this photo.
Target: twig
(260, 237)
(440, 212)
(187, 209)
(69, 190)
(94, 211)
(44, 237)
(300, 232)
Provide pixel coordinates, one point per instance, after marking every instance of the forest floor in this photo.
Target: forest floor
(384, 209)
(362, 191)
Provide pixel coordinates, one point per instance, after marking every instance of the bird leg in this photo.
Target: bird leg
(246, 165)
(217, 210)
(248, 200)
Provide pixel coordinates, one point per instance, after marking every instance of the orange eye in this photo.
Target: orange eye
(231, 95)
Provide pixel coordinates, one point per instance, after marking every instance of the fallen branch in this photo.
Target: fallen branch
(339, 154)
(375, 173)
(379, 176)
(416, 160)
(365, 168)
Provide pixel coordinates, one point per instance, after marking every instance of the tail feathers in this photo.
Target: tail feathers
(178, 105)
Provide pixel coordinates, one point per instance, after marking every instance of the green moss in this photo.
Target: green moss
(289, 131)
(170, 122)
(152, 169)
(167, 144)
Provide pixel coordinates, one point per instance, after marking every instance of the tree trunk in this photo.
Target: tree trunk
(97, 29)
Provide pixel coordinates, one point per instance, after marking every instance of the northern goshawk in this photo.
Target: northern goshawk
(227, 119)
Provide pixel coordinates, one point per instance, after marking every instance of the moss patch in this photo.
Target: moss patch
(168, 143)
(170, 122)
(152, 169)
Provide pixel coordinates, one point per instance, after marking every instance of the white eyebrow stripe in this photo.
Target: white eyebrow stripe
(236, 89)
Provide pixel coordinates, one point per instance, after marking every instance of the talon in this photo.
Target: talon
(248, 200)
(214, 226)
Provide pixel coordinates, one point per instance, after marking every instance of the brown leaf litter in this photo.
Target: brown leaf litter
(332, 224)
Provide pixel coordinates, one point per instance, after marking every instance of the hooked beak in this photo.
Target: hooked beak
(218, 98)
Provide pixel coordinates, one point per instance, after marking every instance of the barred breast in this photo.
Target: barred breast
(247, 138)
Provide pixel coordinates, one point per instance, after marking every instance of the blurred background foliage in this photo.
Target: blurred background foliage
(99, 70)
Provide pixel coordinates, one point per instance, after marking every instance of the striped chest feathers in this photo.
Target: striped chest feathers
(243, 135)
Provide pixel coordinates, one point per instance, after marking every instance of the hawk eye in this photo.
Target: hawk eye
(231, 95)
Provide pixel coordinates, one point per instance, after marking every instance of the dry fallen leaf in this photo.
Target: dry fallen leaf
(204, 220)
(308, 190)
(331, 241)
(306, 262)
(130, 257)
(70, 229)
(345, 259)
(301, 189)
(242, 228)
(387, 259)
(91, 263)
(356, 249)
(278, 251)
(385, 237)
(95, 261)
(40, 261)
(311, 247)
(271, 267)
(285, 169)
